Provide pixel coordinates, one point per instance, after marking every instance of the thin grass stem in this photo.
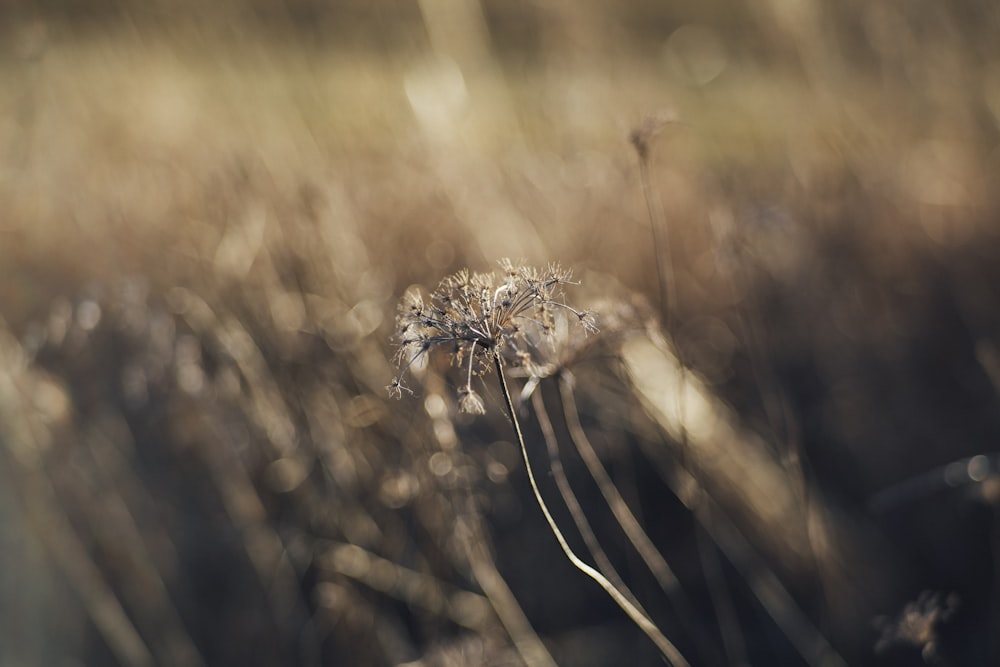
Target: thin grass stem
(626, 519)
(667, 284)
(633, 530)
(661, 239)
(573, 504)
(669, 651)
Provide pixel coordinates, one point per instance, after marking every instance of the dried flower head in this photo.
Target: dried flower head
(480, 316)
(652, 124)
(470, 402)
(918, 623)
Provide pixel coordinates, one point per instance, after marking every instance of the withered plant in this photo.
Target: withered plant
(488, 321)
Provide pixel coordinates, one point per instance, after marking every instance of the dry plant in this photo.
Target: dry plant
(488, 322)
(918, 625)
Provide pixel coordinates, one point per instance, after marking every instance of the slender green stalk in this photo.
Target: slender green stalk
(669, 651)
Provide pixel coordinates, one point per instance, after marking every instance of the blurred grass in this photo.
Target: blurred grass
(208, 214)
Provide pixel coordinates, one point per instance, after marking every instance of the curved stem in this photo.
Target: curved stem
(572, 502)
(628, 522)
(626, 519)
(666, 647)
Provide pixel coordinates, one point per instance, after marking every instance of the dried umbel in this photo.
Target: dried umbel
(489, 320)
(481, 317)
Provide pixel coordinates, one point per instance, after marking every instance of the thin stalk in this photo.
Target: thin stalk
(573, 504)
(471, 536)
(733, 642)
(633, 530)
(669, 651)
(661, 240)
(626, 519)
(752, 567)
(667, 284)
(484, 570)
(779, 415)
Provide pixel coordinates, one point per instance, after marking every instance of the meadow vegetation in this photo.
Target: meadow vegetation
(760, 397)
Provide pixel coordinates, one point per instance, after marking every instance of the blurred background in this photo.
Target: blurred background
(209, 211)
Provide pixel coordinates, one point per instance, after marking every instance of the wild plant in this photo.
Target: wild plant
(487, 321)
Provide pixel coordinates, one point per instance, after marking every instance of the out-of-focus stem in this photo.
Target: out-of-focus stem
(572, 503)
(650, 555)
(670, 652)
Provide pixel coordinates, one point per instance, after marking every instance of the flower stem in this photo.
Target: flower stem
(666, 647)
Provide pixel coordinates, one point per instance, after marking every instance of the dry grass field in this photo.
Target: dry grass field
(783, 216)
